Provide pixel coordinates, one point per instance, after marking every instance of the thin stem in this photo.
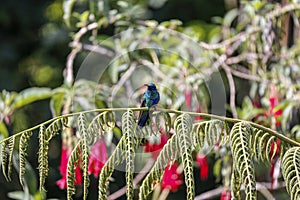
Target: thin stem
(204, 115)
(231, 88)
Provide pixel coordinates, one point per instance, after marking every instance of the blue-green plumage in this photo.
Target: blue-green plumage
(150, 99)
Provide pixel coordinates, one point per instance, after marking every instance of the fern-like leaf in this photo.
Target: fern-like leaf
(242, 160)
(85, 153)
(71, 166)
(11, 145)
(235, 185)
(291, 171)
(261, 143)
(54, 128)
(43, 157)
(120, 153)
(128, 129)
(210, 132)
(103, 122)
(4, 158)
(23, 153)
(163, 122)
(169, 152)
(116, 158)
(183, 127)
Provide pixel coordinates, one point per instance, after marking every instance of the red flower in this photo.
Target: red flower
(198, 110)
(171, 179)
(275, 113)
(202, 162)
(98, 157)
(155, 148)
(62, 183)
(188, 97)
(225, 195)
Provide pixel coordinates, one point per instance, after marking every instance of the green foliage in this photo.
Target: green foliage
(23, 145)
(115, 159)
(243, 166)
(210, 132)
(30, 95)
(43, 157)
(72, 163)
(7, 157)
(183, 127)
(45, 135)
(84, 152)
(170, 152)
(291, 172)
(247, 141)
(128, 129)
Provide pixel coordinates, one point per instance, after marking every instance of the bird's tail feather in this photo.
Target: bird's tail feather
(143, 119)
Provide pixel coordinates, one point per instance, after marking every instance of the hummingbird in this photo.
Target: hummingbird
(150, 99)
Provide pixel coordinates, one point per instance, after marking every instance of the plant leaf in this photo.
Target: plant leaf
(30, 95)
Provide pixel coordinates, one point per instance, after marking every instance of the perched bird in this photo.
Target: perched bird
(150, 99)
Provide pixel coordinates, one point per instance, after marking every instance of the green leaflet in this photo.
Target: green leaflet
(169, 152)
(30, 95)
(43, 157)
(85, 153)
(183, 127)
(235, 185)
(23, 153)
(246, 142)
(128, 129)
(54, 127)
(291, 171)
(45, 135)
(7, 155)
(116, 158)
(4, 158)
(263, 145)
(72, 163)
(121, 152)
(242, 159)
(210, 132)
(102, 123)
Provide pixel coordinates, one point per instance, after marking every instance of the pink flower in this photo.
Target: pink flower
(198, 110)
(188, 97)
(171, 179)
(225, 195)
(62, 183)
(273, 99)
(98, 157)
(202, 162)
(155, 148)
(275, 113)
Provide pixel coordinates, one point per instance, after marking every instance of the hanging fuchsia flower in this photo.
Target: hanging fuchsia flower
(155, 148)
(225, 195)
(188, 97)
(273, 100)
(171, 179)
(98, 157)
(198, 110)
(201, 160)
(62, 183)
(275, 113)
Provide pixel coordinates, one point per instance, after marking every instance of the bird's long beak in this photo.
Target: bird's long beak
(145, 84)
